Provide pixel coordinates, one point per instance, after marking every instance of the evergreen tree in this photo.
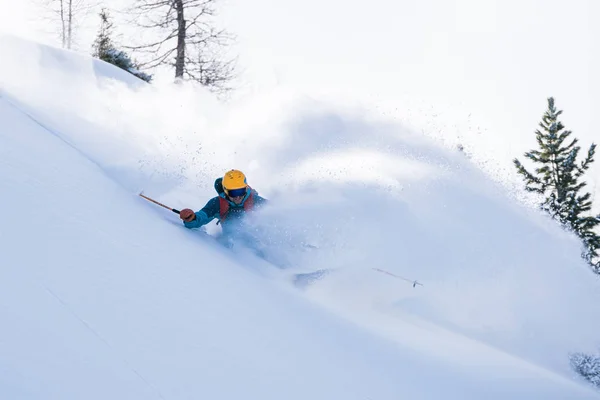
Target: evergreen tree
(105, 50)
(103, 42)
(558, 179)
(588, 366)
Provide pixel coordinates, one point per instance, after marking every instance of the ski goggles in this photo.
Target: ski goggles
(236, 192)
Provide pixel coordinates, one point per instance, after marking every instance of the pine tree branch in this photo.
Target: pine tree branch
(589, 159)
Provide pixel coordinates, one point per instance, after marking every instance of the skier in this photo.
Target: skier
(235, 199)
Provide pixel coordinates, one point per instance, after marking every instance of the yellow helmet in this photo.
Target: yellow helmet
(233, 180)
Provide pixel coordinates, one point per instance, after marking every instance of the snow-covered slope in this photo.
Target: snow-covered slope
(105, 296)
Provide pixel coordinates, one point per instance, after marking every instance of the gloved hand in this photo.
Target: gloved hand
(187, 215)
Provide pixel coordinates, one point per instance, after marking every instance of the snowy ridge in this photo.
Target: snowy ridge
(105, 298)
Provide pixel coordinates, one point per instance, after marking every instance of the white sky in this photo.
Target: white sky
(489, 64)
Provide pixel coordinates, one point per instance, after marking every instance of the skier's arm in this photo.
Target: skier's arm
(202, 217)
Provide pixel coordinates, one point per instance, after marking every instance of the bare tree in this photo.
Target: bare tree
(186, 39)
(68, 14)
(212, 72)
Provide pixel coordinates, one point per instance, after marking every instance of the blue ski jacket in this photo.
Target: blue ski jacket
(227, 212)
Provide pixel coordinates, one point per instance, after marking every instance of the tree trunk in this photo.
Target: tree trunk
(63, 22)
(181, 35)
(70, 25)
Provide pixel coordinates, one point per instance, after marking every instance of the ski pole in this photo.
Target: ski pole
(414, 283)
(160, 204)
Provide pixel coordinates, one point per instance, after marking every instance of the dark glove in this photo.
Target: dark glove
(187, 215)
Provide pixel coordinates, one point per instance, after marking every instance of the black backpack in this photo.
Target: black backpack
(219, 186)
